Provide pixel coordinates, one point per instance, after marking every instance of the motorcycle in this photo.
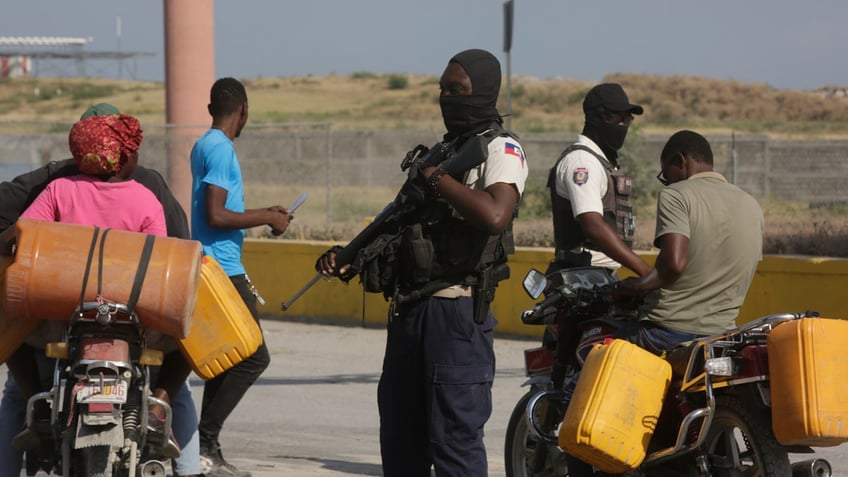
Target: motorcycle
(93, 421)
(716, 415)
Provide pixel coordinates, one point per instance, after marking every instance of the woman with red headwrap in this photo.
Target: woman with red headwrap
(105, 149)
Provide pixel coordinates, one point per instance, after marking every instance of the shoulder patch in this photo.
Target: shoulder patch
(580, 176)
(513, 149)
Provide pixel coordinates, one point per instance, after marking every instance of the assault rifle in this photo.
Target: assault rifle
(408, 200)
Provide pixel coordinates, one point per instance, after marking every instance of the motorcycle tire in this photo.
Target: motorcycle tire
(521, 446)
(740, 441)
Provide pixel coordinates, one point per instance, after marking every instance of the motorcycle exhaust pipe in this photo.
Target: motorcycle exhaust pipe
(812, 468)
(152, 468)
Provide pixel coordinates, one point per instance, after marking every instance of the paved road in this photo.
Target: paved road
(316, 406)
(314, 413)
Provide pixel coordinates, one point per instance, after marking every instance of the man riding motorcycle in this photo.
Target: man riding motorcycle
(709, 233)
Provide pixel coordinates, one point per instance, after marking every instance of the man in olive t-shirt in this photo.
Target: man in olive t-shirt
(709, 233)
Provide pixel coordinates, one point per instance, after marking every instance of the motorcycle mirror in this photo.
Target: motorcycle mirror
(535, 283)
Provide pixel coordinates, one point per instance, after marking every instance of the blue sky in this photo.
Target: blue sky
(788, 44)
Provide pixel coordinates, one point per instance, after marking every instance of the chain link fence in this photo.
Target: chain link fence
(350, 175)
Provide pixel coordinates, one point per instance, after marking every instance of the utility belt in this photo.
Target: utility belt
(481, 288)
(454, 291)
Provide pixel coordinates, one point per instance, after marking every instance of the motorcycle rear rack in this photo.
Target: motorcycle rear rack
(699, 381)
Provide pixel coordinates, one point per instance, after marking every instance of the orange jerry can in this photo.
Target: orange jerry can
(13, 330)
(809, 382)
(223, 332)
(615, 407)
(52, 258)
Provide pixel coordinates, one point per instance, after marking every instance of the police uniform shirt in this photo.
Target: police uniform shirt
(506, 163)
(582, 179)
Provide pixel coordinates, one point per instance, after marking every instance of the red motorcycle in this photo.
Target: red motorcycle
(716, 415)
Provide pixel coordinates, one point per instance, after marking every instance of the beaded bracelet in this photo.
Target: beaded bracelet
(433, 181)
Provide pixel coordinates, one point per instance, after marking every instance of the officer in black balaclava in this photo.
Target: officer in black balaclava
(593, 222)
(435, 392)
(465, 114)
(592, 217)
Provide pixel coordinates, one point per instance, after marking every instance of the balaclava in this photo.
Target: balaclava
(610, 137)
(468, 114)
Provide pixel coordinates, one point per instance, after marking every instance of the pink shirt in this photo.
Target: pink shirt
(86, 200)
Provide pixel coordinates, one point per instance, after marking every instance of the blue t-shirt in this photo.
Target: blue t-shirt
(214, 162)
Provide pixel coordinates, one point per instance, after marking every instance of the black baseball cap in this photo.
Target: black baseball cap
(610, 96)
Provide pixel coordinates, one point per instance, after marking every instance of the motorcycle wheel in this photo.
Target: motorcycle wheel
(740, 442)
(521, 446)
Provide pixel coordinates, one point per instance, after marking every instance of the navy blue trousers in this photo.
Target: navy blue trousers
(435, 393)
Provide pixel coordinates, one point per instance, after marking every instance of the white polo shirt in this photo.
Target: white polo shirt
(582, 179)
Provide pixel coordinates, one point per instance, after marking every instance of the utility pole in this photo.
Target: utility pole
(508, 15)
(118, 35)
(733, 156)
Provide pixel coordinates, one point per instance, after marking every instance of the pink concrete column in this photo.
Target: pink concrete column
(189, 73)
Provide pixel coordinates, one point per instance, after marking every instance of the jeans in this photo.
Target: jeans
(184, 426)
(13, 419)
(222, 393)
(657, 339)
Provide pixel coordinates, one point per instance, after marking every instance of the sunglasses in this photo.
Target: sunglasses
(662, 179)
(610, 117)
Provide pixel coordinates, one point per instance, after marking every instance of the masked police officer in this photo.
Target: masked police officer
(593, 221)
(435, 392)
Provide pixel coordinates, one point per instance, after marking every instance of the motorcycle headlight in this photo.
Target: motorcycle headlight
(719, 366)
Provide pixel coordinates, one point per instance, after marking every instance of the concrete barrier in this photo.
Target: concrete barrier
(281, 268)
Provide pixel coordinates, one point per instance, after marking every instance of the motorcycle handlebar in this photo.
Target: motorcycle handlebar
(535, 315)
(551, 300)
(564, 296)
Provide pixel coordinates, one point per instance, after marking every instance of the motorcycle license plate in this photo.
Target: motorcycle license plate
(114, 393)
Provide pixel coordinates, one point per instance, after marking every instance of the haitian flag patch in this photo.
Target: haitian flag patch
(514, 150)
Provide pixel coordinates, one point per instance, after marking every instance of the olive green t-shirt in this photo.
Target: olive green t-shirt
(724, 225)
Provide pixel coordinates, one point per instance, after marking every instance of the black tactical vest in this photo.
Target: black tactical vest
(616, 202)
(440, 250)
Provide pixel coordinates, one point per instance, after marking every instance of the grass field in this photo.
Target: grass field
(365, 101)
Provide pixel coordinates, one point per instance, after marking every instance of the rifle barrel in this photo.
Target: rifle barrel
(288, 303)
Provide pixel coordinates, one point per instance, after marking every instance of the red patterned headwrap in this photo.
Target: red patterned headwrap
(101, 145)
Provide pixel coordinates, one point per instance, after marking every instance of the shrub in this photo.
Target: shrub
(90, 91)
(398, 81)
(361, 75)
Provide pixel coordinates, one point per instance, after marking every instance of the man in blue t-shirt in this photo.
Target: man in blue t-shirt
(218, 220)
